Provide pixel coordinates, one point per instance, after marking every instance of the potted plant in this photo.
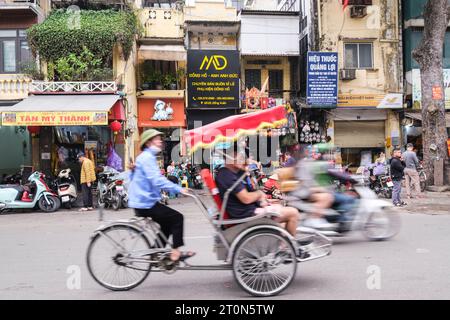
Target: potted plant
(170, 82)
(158, 80)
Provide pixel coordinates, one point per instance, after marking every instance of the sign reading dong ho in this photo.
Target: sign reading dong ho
(54, 118)
(213, 79)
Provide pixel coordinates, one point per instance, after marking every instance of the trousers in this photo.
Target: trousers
(170, 221)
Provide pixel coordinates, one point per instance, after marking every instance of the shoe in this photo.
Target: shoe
(90, 209)
(317, 223)
(397, 204)
(83, 209)
(303, 254)
(403, 203)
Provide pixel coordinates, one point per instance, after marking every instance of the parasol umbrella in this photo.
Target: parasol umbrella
(234, 127)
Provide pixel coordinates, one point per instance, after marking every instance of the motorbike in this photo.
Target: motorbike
(377, 219)
(15, 178)
(66, 187)
(422, 177)
(196, 179)
(110, 189)
(35, 193)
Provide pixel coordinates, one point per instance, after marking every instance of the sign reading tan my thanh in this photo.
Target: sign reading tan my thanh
(54, 118)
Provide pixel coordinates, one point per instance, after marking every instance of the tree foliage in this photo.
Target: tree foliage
(67, 32)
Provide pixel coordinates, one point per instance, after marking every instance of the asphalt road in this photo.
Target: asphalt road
(39, 253)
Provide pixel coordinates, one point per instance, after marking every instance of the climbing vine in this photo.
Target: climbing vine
(64, 33)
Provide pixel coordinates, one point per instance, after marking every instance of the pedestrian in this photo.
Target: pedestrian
(411, 174)
(145, 192)
(397, 173)
(87, 178)
(170, 168)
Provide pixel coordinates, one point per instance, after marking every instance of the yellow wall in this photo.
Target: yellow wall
(125, 73)
(209, 10)
(379, 27)
(161, 26)
(284, 65)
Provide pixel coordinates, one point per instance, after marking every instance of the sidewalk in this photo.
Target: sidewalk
(434, 204)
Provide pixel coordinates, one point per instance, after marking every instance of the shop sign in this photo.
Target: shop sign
(437, 93)
(213, 79)
(162, 113)
(322, 89)
(392, 101)
(360, 100)
(54, 118)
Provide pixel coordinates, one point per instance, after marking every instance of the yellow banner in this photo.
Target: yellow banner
(54, 118)
(360, 100)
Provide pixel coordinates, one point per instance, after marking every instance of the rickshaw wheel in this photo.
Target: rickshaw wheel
(107, 263)
(264, 263)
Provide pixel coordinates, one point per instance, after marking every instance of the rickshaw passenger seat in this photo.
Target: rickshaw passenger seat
(211, 185)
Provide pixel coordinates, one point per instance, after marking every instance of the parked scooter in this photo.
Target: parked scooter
(196, 179)
(66, 186)
(35, 193)
(110, 189)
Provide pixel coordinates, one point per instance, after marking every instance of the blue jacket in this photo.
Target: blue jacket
(147, 181)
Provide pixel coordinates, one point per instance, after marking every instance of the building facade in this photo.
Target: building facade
(15, 55)
(367, 39)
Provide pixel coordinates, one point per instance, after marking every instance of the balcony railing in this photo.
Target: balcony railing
(19, 3)
(73, 87)
(14, 88)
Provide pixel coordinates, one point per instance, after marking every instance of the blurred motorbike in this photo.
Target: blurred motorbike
(377, 219)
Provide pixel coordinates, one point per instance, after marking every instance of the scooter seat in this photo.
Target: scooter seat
(12, 186)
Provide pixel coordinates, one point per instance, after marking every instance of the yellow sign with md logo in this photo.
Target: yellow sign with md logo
(218, 62)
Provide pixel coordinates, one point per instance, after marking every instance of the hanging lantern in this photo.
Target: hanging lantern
(115, 126)
(34, 130)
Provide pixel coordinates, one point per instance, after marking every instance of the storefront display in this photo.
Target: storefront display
(58, 136)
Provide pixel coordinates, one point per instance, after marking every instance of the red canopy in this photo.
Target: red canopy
(231, 128)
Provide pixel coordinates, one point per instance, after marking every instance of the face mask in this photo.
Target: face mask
(155, 149)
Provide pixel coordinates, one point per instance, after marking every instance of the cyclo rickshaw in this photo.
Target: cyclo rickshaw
(261, 253)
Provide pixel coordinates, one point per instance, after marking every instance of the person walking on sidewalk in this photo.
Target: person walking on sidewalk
(87, 177)
(397, 173)
(411, 174)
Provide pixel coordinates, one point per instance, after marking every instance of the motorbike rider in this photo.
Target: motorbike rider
(317, 178)
(145, 192)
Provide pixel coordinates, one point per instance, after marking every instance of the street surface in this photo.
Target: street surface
(39, 252)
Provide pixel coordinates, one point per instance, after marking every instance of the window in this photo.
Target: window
(276, 83)
(358, 56)
(253, 78)
(14, 50)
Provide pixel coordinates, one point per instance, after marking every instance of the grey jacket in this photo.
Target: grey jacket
(411, 160)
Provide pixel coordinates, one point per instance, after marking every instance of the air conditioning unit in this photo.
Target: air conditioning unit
(348, 74)
(358, 11)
